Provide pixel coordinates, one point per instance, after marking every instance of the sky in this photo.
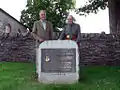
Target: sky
(93, 23)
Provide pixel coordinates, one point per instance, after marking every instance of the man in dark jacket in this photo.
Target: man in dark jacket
(71, 30)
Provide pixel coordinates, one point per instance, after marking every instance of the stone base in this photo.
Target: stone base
(56, 78)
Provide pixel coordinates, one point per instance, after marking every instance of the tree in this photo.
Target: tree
(92, 6)
(57, 11)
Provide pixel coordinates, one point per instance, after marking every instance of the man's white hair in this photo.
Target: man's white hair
(72, 17)
(42, 11)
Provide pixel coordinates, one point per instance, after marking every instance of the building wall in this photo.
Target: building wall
(4, 19)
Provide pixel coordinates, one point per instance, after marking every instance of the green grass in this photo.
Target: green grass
(21, 76)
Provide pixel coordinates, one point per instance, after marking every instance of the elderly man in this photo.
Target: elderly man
(42, 29)
(71, 30)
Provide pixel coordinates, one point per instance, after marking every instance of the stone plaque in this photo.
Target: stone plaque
(58, 62)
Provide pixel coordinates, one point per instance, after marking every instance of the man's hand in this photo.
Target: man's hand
(37, 38)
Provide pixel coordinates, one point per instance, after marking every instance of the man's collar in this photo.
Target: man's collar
(42, 20)
(70, 24)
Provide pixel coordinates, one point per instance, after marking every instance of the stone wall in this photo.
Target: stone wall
(19, 48)
(95, 49)
(100, 49)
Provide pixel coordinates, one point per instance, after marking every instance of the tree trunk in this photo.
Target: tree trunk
(118, 16)
(112, 16)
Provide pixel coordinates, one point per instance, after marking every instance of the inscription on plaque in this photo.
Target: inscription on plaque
(58, 60)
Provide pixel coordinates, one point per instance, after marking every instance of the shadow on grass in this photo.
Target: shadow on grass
(61, 87)
(82, 76)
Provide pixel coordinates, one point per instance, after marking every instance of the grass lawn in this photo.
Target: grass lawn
(20, 76)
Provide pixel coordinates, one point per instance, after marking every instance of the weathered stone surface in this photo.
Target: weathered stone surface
(58, 64)
(20, 49)
(95, 49)
(100, 51)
